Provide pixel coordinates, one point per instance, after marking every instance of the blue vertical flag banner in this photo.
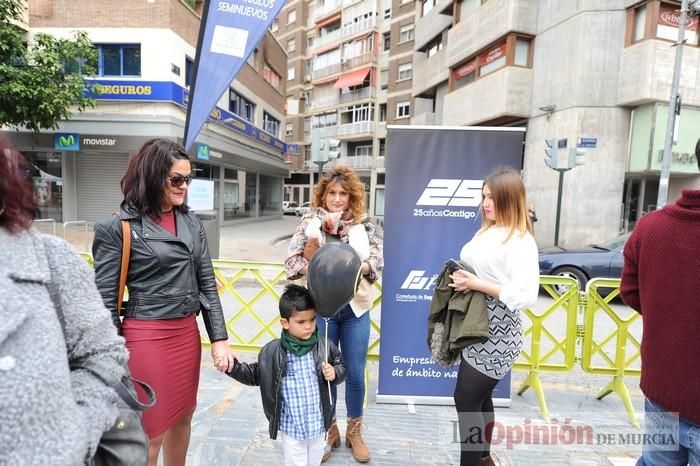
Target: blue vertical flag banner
(433, 186)
(230, 31)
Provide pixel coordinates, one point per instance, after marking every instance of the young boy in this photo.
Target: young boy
(293, 378)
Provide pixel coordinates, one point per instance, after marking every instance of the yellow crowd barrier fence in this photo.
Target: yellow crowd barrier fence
(555, 337)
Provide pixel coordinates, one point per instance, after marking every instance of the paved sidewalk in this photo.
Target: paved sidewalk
(230, 427)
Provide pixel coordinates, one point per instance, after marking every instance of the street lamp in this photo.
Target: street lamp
(674, 106)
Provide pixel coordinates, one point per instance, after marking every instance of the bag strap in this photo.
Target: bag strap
(124, 269)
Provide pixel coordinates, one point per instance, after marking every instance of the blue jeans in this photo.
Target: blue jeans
(661, 424)
(351, 335)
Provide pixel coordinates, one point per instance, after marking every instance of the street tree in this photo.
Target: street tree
(41, 80)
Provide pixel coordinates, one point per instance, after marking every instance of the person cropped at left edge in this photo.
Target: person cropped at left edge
(52, 323)
(170, 273)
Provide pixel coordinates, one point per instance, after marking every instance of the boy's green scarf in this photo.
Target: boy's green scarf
(296, 346)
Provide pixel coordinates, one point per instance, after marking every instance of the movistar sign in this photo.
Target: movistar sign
(67, 141)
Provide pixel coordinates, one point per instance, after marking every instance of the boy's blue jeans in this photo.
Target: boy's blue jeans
(662, 425)
(351, 335)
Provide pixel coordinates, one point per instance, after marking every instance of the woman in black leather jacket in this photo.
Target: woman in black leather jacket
(170, 279)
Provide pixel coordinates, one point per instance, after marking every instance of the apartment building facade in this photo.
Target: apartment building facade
(146, 52)
(349, 74)
(598, 69)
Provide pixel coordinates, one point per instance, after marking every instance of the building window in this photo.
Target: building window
(324, 120)
(427, 5)
(119, 60)
(271, 77)
(309, 42)
(252, 57)
(291, 45)
(668, 21)
(404, 2)
(292, 17)
(405, 71)
(241, 106)
(464, 74)
(274, 27)
(382, 112)
(387, 14)
(291, 73)
(271, 124)
(406, 33)
(288, 129)
(363, 151)
(403, 109)
(661, 23)
(189, 69)
(387, 41)
(522, 52)
(434, 46)
(492, 59)
(640, 20)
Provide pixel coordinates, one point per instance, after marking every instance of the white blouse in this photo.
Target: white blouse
(513, 264)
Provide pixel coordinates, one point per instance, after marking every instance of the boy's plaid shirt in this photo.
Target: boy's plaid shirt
(301, 414)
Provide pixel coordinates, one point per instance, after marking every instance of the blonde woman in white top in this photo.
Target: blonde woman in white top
(503, 255)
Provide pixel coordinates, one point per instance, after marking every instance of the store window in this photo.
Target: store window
(119, 60)
(203, 171)
(251, 200)
(47, 181)
(270, 202)
(189, 69)
(660, 21)
(493, 58)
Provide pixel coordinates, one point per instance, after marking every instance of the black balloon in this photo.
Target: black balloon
(333, 276)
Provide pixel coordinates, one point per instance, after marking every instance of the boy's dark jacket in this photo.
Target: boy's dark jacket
(271, 367)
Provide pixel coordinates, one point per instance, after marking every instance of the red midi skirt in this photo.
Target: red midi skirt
(166, 354)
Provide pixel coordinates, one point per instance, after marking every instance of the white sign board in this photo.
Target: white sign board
(200, 195)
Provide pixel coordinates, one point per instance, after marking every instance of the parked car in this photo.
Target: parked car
(289, 207)
(585, 262)
(303, 209)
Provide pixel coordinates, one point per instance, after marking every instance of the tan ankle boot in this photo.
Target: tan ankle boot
(333, 441)
(353, 439)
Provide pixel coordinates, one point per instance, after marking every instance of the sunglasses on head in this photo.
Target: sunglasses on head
(179, 180)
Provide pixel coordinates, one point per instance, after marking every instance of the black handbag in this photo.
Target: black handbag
(125, 443)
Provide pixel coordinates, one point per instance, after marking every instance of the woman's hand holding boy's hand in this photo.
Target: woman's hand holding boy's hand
(223, 356)
(328, 372)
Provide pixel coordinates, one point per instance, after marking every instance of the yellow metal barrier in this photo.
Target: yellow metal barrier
(542, 349)
(250, 292)
(620, 362)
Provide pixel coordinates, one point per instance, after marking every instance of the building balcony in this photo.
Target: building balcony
(323, 102)
(325, 72)
(353, 62)
(428, 72)
(364, 93)
(352, 29)
(503, 93)
(646, 72)
(359, 128)
(361, 161)
(330, 6)
(488, 23)
(431, 25)
(327, 39)
(328, 132)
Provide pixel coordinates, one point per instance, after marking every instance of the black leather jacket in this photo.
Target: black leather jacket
(168, 276)
(271, 368)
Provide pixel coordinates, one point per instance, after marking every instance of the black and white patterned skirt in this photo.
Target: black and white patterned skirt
(496, 356)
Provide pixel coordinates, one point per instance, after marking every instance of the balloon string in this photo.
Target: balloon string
(330, 394)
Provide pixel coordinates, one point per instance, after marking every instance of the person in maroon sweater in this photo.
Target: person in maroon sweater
(661, 281)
